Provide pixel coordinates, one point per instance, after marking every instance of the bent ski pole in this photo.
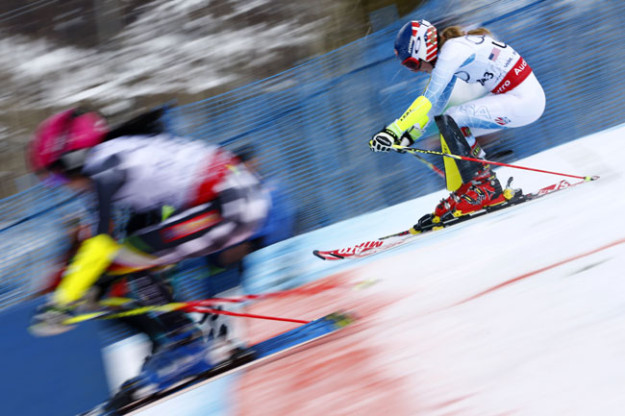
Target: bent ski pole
(486, 162)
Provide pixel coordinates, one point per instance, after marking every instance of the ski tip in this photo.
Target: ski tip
(341, 319)
(316, 253)
(364, 284)
(591, 178)
(326, 255)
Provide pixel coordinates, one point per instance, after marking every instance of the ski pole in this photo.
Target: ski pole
(430, 165)
(111, 314)
(245, 315)
(485, 162)
(170, 307)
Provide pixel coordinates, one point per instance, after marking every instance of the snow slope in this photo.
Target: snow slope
(518, 312)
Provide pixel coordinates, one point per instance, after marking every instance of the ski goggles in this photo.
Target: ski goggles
(412, 64)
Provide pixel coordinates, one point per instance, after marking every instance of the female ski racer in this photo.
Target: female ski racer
(516, 99)
(188, 199)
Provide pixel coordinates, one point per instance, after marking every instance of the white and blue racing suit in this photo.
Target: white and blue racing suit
(516, 97)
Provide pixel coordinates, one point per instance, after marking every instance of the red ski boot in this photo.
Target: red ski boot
(484, 190)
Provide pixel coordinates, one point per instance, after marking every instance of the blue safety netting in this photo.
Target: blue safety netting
(310, 125)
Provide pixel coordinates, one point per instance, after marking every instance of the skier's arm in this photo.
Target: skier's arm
(95, 254)
(414, 119)
(441, 103)
(410, 126)
(441, 84)
(414, 133)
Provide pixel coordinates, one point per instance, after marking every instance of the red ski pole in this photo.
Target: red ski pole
(486, 162)
(200, 309)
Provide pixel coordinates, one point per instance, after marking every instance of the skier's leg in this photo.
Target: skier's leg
(240, 208)
(150, 288)
(473, 186)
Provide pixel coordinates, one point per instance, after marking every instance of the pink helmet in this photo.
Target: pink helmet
(60, 137)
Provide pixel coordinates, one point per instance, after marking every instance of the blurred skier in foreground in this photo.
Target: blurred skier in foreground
(188, 199)
(516, 99)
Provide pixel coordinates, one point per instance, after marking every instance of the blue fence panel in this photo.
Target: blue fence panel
(310, 125)
(35, 226)
(53, 376)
